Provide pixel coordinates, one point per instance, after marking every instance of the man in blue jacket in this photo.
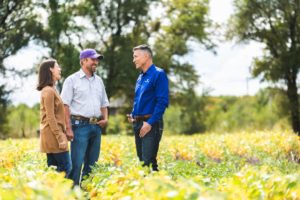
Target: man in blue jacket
(150, 101)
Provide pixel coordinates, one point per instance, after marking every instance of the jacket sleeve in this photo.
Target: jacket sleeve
(161, 97)
(49, 103)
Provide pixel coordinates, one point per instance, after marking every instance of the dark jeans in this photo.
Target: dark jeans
(85, 148)
(62, 161)
(147, 146)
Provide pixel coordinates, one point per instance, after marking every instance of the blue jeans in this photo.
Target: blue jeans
(62, 161)
(147, 146)
(85, 148)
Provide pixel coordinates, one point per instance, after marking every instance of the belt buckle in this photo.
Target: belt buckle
(93, 120)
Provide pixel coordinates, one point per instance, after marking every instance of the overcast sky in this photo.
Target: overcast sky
(225, 73)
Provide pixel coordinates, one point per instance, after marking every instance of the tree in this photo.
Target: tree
(120, 25)
(187, 22)
(18, 26)
(111, 27)
(23, 120)
(60, 35)
(276, 24)
(117, 26)
(193, 112)
(3, 110)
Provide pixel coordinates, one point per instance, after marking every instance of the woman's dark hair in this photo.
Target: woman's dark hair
(45, 75)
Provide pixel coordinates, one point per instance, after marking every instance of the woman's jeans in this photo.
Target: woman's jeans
(147, 146)
(85, 148)
(62, 161)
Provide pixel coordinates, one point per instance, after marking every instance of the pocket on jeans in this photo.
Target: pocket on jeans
(74, 125)
(137, 125)
(160, 127)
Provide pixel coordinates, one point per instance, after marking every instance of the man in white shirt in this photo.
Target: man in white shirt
(86, 108)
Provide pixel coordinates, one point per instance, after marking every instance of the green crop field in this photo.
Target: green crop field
(243, 165)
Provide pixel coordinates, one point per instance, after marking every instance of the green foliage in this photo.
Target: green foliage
(4, 130)
(59, 33)
(273, 23)
(187, 21)
(172, 121)
(117, 125)
(189, 114)
(119, 26)
(24, 121)
(264, 111)
(18, 25)
(193, 113)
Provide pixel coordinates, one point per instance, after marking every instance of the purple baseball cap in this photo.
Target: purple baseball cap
(90, 53)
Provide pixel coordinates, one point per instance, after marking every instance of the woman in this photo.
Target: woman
(53, 140)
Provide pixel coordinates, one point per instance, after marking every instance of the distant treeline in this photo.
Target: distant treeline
(266, 110)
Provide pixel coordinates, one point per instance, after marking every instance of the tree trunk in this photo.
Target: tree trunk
(293, 102)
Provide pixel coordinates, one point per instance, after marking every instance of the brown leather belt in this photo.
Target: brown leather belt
(91, 120)
(142, 117)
